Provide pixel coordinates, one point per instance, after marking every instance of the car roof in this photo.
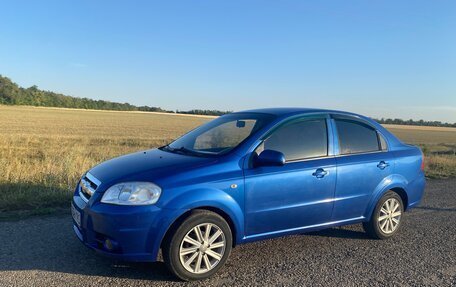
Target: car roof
(288, 112)
(294, 111)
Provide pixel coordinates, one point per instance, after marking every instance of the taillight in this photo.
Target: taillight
(422, 161)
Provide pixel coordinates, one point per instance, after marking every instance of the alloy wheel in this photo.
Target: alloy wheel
(202, 248)
(390, 216)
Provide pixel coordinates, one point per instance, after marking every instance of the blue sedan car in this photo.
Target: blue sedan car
(243, 177)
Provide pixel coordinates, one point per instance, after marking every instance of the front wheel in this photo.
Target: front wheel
(199, 246)
(386, 218)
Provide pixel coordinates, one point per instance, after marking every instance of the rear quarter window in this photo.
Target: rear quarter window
(383, 144)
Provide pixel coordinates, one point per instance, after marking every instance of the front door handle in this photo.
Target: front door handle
(320, 173)
(382, 165)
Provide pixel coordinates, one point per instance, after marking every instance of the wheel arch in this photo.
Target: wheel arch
(176, 223)
(211, 199)
(403, 194)
(395, 183)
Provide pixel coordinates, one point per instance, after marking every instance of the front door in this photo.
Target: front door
(298, 194)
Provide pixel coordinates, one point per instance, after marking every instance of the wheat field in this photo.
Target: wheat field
(44, 151)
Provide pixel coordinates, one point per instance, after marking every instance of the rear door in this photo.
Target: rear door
(298, 194)
(363, 164)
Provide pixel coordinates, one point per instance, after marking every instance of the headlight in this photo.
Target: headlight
(132, 193)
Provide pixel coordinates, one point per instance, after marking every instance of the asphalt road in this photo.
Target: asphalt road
(44, 252)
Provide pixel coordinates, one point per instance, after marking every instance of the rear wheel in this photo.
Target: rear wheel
(386, 218)
(199, 246)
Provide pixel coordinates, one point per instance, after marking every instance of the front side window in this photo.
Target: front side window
(356, 137)
(299, 140)
(221, 135)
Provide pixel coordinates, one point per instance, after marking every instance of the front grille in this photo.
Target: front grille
(88, 186)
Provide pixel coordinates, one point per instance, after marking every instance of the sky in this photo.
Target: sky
(378, 58)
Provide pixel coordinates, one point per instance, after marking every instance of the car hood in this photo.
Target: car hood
(149, 165)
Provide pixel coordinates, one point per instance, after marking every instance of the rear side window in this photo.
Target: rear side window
(356, 137)
(299, 140)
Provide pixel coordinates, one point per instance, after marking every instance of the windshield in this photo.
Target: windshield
(221, 135)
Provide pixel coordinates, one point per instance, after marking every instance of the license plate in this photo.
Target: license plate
(76, 215)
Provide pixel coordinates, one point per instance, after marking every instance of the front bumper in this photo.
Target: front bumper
(134, 232)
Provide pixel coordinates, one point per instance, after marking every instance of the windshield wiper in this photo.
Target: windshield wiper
(182, 150)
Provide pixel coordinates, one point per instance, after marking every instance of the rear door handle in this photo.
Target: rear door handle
(382, 165)
(320, 173)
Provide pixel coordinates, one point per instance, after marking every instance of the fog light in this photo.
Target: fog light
(108, 245)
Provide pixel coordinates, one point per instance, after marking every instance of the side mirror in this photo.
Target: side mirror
(270, 158)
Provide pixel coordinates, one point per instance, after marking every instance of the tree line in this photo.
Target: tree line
(12, 94)
(411, 122)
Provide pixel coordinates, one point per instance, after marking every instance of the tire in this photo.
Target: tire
(203, 257)
(386, 218)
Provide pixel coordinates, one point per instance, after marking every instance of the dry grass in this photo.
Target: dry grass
(43, 151)
(425, 135)
(438, 145)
